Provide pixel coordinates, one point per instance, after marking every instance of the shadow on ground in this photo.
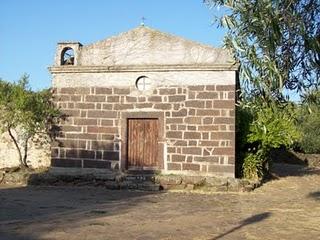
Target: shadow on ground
(283, 155)
(26, 205)
(287, 163)
(314, 195)
(286, 170)
(250, 220)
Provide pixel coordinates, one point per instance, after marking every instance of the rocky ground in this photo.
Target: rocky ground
(287, 208)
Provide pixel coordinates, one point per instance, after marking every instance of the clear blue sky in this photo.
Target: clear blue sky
(29, 30)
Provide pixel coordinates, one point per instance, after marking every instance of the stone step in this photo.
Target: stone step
(133, 185)
(139, 177)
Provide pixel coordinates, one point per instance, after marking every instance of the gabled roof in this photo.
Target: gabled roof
(147, 46)
(148, 49)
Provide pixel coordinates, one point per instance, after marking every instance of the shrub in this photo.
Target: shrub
(309, 126)
(273, 126)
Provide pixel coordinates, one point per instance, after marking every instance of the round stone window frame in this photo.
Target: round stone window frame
(142, 85)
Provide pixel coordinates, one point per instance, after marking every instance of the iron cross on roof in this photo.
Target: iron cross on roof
(142, 21)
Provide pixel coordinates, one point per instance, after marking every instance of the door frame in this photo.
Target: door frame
(124, 136)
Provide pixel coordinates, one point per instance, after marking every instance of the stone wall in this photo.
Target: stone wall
(38, 156)
(199, 127)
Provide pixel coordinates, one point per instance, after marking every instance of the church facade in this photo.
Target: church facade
(148, 101)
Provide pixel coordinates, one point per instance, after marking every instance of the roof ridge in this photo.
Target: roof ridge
(119, 35)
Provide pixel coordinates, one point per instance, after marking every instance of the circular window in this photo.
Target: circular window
(143, 83)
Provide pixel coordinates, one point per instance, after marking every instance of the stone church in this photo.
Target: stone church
(148, 101)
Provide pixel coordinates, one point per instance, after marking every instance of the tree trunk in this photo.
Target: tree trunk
(22, 164)
(26, 152)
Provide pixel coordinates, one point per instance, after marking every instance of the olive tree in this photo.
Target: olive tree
(277, 43)
(26, 114)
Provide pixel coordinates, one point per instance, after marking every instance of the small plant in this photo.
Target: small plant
(253, 165)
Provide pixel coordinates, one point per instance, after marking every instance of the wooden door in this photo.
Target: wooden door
(143, 143)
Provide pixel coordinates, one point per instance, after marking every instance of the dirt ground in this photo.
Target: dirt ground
(288, 208)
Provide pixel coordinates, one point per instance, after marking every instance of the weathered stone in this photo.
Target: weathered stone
(168, 180)
(224, 120)
(208, 128)
(181, 113)
(85, 105)
(195, 104)
(85, 121)
(102, 114)
(121, 91)
(191, 166)
(174, 120)
(178, 158)
(196, 88)
(225, 87)
(193, 120)
(209, 159)
(174, 134)
(177, 98)
(123, 106)
(174, 166)
(192, 135)
(105, 91)
(222, 135)
(143, 105)
(66, 163)
(191, 128)
(192, 150)
(167, 91)
(207, 120)
(96, 164)
(210, 88)
(207, 112)
(110, 155)
(155, 99)
(94, 98)
(208, 143)
(163, 106)
(207, 95)
(113, 99)
(131, 99)
(224, 104)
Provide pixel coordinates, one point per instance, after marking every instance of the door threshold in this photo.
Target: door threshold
(142, 171)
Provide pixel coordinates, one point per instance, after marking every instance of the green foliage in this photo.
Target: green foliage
(253, 165)
(309, 123)
(277, 45)
(25, 113)
(310, 129)
(269, 126)
(311, 100)
(273, 127)
(276, 42)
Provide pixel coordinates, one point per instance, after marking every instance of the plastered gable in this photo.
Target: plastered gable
(146, 46)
